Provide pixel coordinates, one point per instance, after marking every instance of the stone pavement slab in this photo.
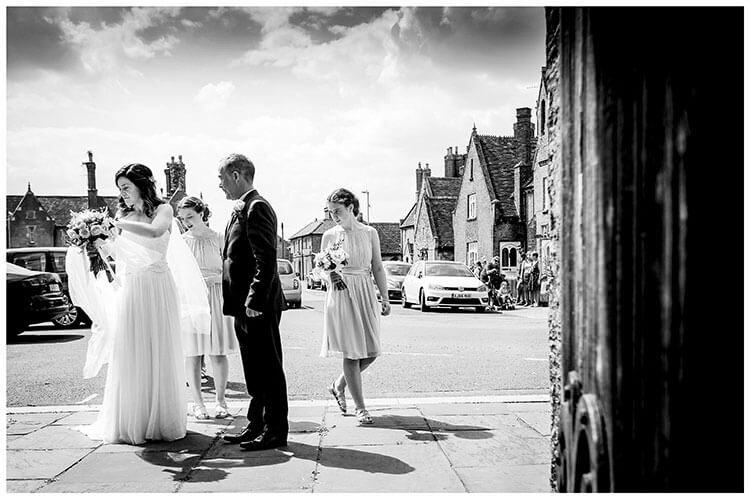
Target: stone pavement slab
(77, 419)
(95, 487)
(518, 478)
(23, 424)
(504, 446)
(541, 422)
(41, 464)
(229, 469)
(53, 437)
(386, 468)
(23, 486)
(156, 468)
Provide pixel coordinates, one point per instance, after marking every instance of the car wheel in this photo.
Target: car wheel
(68, 320)
(423, 302)
(404, 303)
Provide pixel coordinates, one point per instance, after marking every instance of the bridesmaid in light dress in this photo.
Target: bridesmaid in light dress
(351, 317)
(206, 245)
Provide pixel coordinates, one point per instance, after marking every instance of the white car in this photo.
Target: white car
(440, 283)
(290, 283)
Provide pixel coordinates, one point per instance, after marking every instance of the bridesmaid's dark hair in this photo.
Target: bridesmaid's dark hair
(345, 197)
(197, 205)
(143, 179)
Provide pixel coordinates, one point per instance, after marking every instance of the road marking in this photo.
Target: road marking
(541, 396)
(419, 354)
(536, 360)
(90, 397)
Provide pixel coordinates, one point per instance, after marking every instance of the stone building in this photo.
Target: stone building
(496, 196)
(42, 220)
(427, 230)
(390, 240)
(306, 242)
(175, 182)
(406, 228)
(541, 175)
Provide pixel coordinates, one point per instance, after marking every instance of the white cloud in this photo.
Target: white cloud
(215, 96)
(108, 49)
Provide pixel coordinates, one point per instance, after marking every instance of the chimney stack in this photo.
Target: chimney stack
(92, 192)
(523, 131)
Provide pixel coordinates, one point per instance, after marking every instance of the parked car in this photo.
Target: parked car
(439, 283)
(394, 273)
(312, 281)
(32, 297)
(50, 259)
(290, 283)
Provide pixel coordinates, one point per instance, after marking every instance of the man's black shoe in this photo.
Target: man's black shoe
(246, 435)
(265, 441)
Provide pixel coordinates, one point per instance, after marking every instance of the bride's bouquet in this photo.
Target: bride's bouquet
(330, 259)
(84, 229)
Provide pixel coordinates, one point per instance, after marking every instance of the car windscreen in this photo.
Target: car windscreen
(31, 261)
(397, 269)
(447, 269)
(285, 268)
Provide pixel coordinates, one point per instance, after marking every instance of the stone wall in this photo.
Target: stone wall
(553, 144)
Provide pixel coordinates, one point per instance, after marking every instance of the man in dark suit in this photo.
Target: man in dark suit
(253, 296)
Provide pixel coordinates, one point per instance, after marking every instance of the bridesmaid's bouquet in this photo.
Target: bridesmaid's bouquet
(329, 260)
(84, 229)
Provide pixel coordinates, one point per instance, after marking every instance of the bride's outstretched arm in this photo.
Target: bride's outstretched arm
(158, 226)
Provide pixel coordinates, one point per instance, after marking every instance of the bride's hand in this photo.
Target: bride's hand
(386, 308)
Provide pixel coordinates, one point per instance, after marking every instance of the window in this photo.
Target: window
(529, 206)
(472, 202)
(545, 195)
(545, 230)
(513, 257)
(542, 119)
(504, 258)
(284, 268)
(30, 232)
(472, 252)
(471, 169)
(31, 215)
(31, 261)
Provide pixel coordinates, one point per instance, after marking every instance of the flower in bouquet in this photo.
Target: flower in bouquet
(84, 229)
(330, 259)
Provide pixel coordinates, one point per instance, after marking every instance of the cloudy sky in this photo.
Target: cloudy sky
(317, 97)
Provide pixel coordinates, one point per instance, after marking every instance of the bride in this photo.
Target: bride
(140, 319)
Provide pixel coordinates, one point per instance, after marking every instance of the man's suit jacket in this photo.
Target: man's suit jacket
(250, 276)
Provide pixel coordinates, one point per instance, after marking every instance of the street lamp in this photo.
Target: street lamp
(368, 204)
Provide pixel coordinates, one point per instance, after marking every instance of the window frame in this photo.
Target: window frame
(471, 206)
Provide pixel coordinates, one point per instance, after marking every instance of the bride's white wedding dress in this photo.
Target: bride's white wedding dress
(140, 321)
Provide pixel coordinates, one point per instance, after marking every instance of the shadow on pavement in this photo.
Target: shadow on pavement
(29, 338)
(214, 468)
(436, 430)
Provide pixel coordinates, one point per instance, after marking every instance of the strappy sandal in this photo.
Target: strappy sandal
(199, 411)
(222, 411)
(363, 417)
(339, 396)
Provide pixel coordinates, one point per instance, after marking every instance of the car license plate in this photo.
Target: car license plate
(460, 295)
(54, 287)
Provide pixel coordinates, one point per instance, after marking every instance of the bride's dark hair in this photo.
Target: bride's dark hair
(143, 179)
(345, 197)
